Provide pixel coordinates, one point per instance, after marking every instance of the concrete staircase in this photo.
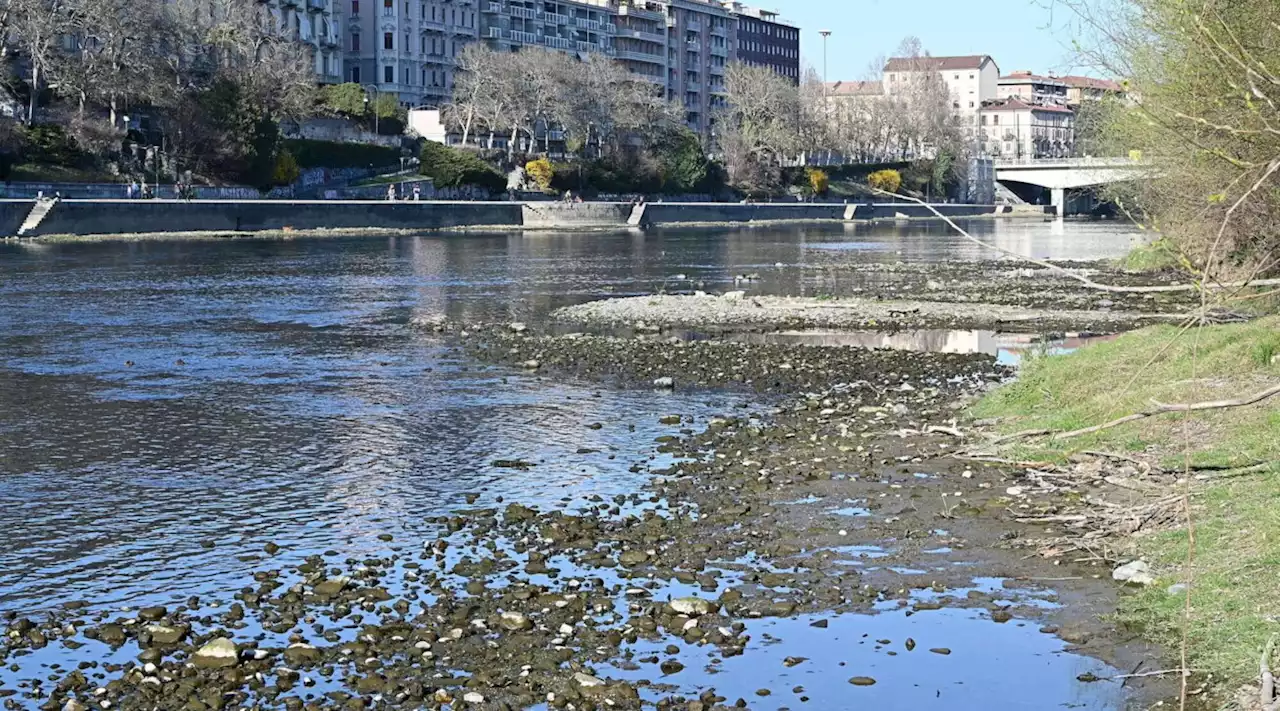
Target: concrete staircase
(42, 208)
(1005, 196)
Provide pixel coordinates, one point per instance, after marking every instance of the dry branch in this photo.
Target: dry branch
(1086, 281)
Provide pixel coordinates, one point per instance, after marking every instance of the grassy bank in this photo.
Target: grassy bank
(1237, 520)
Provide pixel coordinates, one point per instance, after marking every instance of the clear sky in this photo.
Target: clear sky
(1019, 34)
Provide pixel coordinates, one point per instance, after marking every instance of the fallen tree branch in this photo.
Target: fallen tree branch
(1086, 281)
(1232, 473)
(1161, 408)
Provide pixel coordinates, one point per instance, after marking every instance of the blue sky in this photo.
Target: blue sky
(1019, 34)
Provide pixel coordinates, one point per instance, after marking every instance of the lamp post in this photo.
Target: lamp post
(825, 34)
(374, 89)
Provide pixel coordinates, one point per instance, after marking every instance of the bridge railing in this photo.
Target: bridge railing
(1090, 162)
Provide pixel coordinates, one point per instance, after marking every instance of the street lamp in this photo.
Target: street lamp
(372, 88)
(825, 34)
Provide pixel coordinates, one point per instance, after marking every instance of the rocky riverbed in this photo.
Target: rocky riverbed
(819, 516)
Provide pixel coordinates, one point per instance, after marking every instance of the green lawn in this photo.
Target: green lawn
(1235, 596)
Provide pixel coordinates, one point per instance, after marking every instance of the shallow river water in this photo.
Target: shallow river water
(167, 408)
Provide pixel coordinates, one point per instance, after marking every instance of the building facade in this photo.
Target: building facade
(764, 39)
(315, 23)
(1081, 89)
(1014, 129)
(1034, 89)
(408, 48)
(971, 80)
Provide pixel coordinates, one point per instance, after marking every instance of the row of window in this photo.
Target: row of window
(767, 28)
(436, 78)
(463, 19)
(437, 46)
(773, 49)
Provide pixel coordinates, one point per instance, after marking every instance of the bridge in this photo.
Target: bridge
(1058, 175)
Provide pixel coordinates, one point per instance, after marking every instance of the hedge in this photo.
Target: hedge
(331, 154)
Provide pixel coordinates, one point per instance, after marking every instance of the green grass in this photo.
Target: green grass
(1235, 595)
(1154, 257)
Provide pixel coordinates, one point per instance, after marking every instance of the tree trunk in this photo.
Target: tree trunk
(35, 91)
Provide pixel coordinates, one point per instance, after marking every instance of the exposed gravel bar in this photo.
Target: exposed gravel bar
(738, 311)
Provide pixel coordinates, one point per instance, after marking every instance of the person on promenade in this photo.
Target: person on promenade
(131, 190)
(391, 192)
(417, 192)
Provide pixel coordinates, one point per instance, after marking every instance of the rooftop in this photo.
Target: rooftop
(1028, 77)
(1015, 104)
(1092, 83)
(908, 64)
(854, 88)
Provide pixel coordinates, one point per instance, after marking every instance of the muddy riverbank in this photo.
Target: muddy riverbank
(827, 537)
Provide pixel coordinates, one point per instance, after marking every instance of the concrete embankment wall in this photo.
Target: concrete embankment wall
(106, 217)
(678, 213)
(570, 215)
(12, 213)
(90, 217)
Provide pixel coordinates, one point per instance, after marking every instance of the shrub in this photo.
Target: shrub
(286, 171)
(450, 168)
(344, 99)
(818, 181)
(889, 181)
(330, 154)
(542, 173)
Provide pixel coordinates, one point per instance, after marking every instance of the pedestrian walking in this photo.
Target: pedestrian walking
(391, 192)
(131, 190)
(417, 192)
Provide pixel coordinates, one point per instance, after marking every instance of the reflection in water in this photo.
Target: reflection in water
(1007, 348)
(167, 408)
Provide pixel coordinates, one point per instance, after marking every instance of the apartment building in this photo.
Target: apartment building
(1081, 89)
(315, 23)
(508, 25)
(1034, 89)
(1014, 128)
(641, 41)
(971, 81)
(408, 48)
(764, 39)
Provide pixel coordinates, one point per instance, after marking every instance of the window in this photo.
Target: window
(955, 104)
(995, 120)
(388, 42)
(984, 120)
(407, 45)
(355, 41)
(406, 75)
(355, 7)
(971, 104)
(389, 74)
(387, 7)
(355, 75)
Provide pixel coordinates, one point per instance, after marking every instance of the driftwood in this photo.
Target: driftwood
(1086, 281)
(1161, 408)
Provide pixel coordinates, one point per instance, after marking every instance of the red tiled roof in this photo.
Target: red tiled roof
(854, 88)
(1020, 105)
(907, 64)
(1092, 83)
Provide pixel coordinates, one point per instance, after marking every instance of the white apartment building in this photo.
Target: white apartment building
(971, 81)
(315, 23)
(408, 48)
(698, 51)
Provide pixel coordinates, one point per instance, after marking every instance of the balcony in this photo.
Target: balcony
(317, 5)
(557, 42)
(555, 18)
(642, 35)
(290, 3)
(610, 28)
(719, 32)
(493, 7)
(495, 33)
(586, 24)
(524, 12)
(720, 51)
(641, 57)
(635, 11)
(431, 26)
(693, 46)
(522, 37)
(693, 26)
(588, 47)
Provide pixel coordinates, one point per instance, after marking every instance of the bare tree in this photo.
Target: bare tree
(759, 129)
(38, 27)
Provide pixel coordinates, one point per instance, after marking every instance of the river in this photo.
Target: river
(167, 408)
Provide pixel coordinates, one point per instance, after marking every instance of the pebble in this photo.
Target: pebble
(862, 681)
(218, 654)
